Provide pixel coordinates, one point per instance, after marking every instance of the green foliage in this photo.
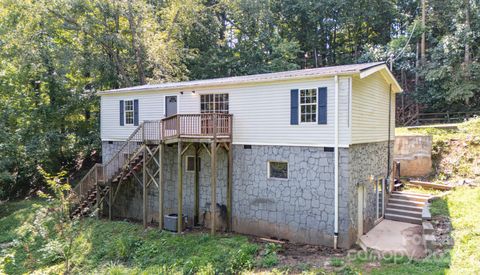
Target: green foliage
(337, 262)
(269, 260)
(112, 247)
(269, 257)
(56, 55)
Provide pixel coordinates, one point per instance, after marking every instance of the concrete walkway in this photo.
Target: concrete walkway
(392, 237)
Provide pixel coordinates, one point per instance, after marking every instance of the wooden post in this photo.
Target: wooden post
(144, 179)
(229, 187)
(180, 187)
(160, 185)
(197, 187)
(97, 189)
(213, 187)
(213, 159)
(110, 201)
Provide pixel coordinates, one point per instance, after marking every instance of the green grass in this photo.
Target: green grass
(104, 247)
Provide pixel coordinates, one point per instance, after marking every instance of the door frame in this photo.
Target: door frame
(165, 103)
(360, 209)
(379, 216)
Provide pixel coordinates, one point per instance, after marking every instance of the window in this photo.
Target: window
(190, 167)
(278, 169)
(214, 103)
(128, 111)
(308, 105)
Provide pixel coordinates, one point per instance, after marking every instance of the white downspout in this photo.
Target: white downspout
(335, 232)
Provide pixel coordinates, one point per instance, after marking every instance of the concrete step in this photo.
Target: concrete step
(408, 197)
(427, 227)
(405, 202)
(405, 213)
(412, 193)
(405, 207)
(402, 218)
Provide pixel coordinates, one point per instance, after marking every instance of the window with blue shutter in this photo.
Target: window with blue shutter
(294, 107)
(122, 114)
(322, 105)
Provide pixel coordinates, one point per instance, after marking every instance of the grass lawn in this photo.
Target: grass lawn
(103, 247)
(28, 244)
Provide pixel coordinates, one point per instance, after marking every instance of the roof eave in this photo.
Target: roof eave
(386, 73)
(147, 89)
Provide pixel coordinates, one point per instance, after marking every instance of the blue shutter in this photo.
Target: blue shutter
(322, 105)
(122, 114)
(135, 112)
(294, 107)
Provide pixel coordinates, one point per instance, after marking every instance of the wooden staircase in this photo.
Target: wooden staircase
(140, 153)
(89, 204)
(405, 207)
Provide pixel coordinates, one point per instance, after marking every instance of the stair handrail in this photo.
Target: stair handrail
(115, 159)
(87, 182)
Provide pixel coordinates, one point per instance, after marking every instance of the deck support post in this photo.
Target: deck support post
(197, 187)
(179, 188)
(160, 185)
(213, 159)
(229, 187)
(213, 205)
(144, 179)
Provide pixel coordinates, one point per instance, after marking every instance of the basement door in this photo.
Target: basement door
(379, 186)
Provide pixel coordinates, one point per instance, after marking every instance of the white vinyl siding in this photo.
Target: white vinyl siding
(370, 109)
(261, 112)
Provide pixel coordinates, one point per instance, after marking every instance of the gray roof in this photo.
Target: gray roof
(324, 71)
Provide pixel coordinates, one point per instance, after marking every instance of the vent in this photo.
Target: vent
(328, 149)
(247, 146)
(110, 142)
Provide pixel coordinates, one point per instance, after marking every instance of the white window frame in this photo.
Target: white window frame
(269, 176)
(194, 163)
(125, 111)
(307, 104)
(214, 95)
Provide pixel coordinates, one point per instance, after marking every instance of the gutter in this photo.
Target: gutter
(335, 231)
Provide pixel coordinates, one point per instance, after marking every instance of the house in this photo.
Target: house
(298, 155)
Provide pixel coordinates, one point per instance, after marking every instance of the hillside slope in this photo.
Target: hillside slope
(455, 152)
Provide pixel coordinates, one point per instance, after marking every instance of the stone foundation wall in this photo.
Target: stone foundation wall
(368, 161)
(300, 208)
(129, 202)
(109, 148)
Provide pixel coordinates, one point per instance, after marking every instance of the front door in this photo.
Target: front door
(170, 105)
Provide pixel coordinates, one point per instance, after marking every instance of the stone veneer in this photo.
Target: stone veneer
(300, 208)
(129, 202)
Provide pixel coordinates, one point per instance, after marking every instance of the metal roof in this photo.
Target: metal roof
(324, 71)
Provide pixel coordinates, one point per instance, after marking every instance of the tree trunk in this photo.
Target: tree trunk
(422, 46)
(467, 46)
(136, 46)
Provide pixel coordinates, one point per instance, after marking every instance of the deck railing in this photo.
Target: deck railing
(197, 126)
(94, 175)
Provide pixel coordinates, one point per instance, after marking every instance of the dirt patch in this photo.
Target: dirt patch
(297, 257)
(442, 228)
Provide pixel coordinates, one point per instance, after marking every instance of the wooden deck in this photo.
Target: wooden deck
(141, 159)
